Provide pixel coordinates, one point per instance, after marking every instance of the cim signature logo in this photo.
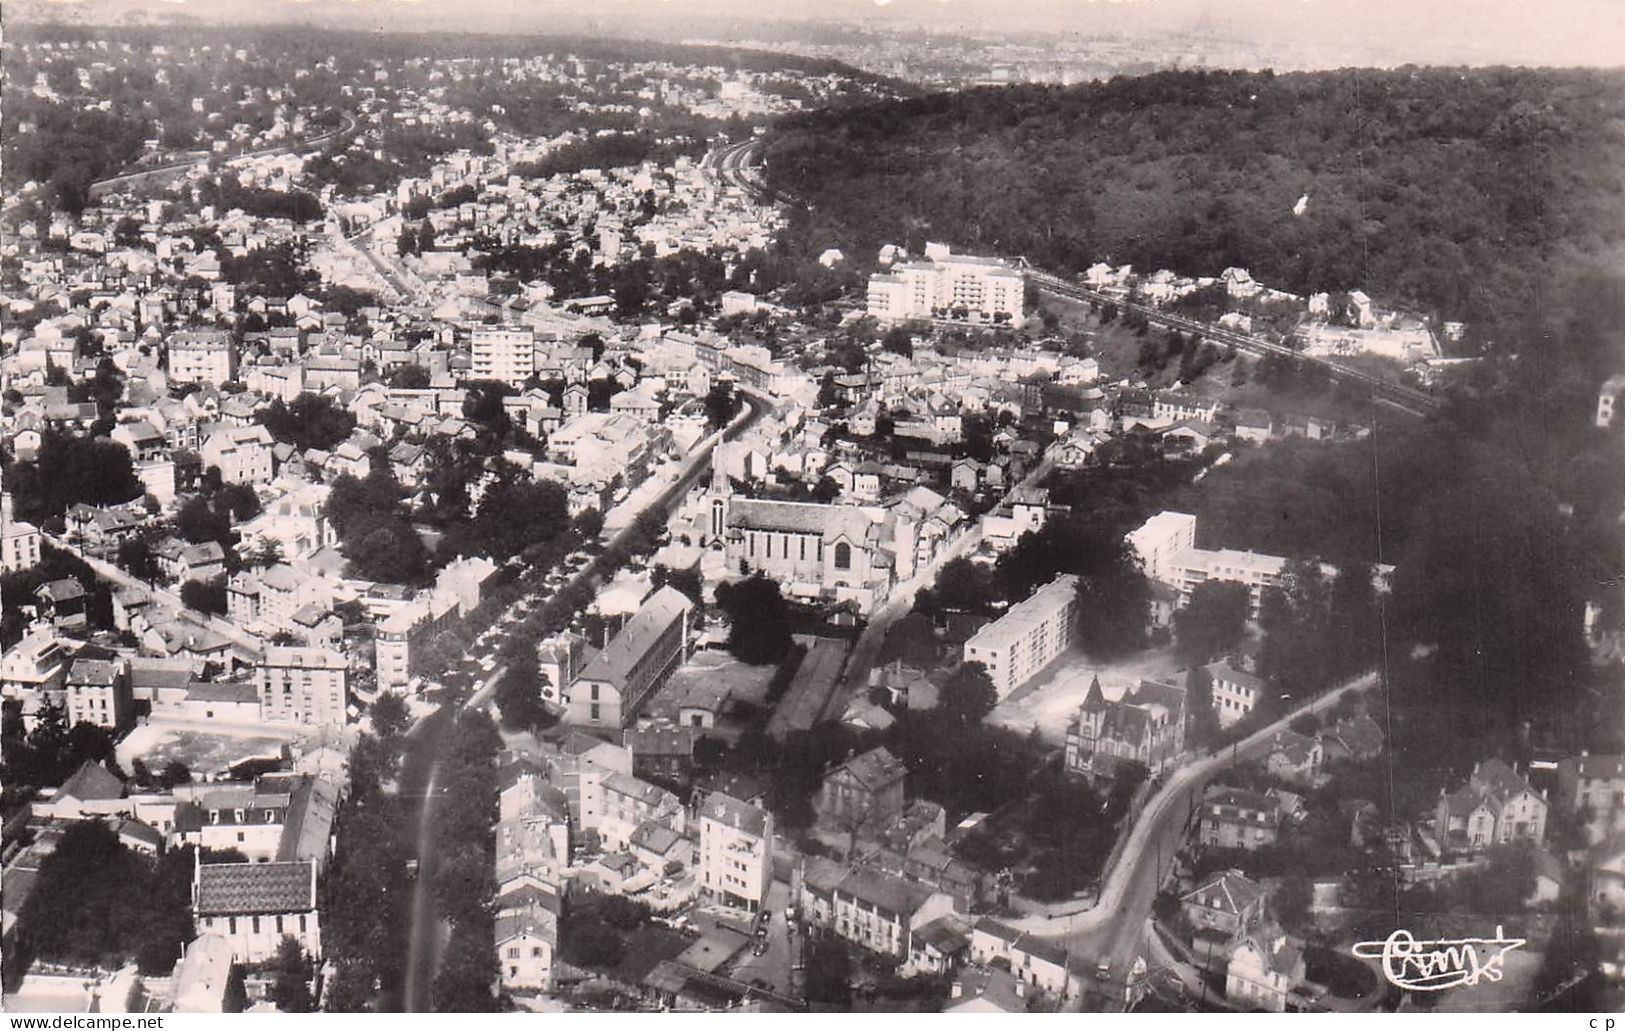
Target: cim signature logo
(1433, 966)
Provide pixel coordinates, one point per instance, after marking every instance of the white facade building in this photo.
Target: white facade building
(302, 685)
(502, 353)
(736, 852)
(201, 356)
(950, 286)
(1025, 639)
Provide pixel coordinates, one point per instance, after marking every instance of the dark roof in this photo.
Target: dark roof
(234, 889)
(92, 782)
(614, 664)
(874, 769)
(204, 691)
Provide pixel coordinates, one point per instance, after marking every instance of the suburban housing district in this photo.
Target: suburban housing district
(455, 559)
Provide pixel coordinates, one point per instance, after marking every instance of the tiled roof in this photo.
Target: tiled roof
(92, 782)
(734, 813)
(235, 889)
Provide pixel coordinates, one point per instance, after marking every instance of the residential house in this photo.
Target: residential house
(1591, 788)
(868, 908)
(866, 790)
(241, 453)
(1294, 757)
(1496, 806)
(1234, 818)
(1235, 692)
(99, 693)
(1227, 902)
(1146, 725)
(1264, 972)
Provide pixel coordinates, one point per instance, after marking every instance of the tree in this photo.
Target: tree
(135, 557)
(311, 421)
(205, 595)
(410, 377)
(69, 470)
(235, 997)
(519, 694)
(390, 717)
(1213, 622)
(468, 972)
(291, 972)
(1293, 900)
(969, 694)
(721, 405)
(1114, 608)
(829, 972)
(759, 633)
(265, 554)
(963, 586)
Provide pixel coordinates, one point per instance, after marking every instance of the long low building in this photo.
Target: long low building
(1026, 639)
(615, 684)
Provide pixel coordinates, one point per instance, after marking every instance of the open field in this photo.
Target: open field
(203, 751)
(1049, 700)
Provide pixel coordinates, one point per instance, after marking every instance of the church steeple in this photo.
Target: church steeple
(721, 490)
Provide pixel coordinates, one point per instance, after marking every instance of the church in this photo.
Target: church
(840, 553)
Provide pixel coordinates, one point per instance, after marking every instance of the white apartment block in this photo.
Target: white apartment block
(1025, 639)
(201, 356)
(949, 286)
(1166, 546)
(302, 685)
(502, 353)
(1234, 692)
(736, 852)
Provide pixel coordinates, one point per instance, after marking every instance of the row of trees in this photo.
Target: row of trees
(366, 890)
(464, 838)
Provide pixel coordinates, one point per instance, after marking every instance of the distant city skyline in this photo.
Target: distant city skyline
(1570, 32)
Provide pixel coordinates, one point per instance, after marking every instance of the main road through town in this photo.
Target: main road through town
(429, 737)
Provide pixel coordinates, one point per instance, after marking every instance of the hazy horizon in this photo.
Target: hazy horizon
(1570, 32)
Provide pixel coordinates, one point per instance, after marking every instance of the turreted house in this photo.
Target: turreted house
(1496, 806)
(1146, 725)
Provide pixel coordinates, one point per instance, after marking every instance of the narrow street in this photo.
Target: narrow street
(421, 766)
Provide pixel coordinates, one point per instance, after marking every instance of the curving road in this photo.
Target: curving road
(1115, 926)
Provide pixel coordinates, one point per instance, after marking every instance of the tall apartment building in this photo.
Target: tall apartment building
(1166, 546)
(303, 685)
(502, 353)
(950, 286)
(1025, 639)
(618, 680)
(736, 851)
(201, 356)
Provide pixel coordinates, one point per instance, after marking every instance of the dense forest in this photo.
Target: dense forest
(1489, 196)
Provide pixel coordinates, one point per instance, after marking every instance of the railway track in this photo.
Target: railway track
(1395, 395)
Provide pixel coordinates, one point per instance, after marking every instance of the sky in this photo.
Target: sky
(1555, 32)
